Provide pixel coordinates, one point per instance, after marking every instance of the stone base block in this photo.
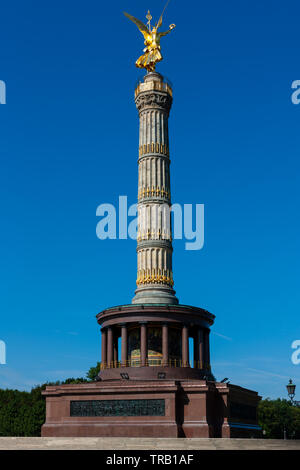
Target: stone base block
(150, 408)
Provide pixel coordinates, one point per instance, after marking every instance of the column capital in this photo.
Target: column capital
(160, 101)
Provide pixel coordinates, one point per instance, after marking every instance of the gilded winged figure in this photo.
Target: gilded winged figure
(152, 51)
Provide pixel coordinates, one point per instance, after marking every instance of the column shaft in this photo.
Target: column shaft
(165, 344)
(201, 348)
(185, 346)
(109, 347)
(206, 348)
(154, 273)
(103, 348)
(115, 342)
(196, 350)
(143, 344)
(124, 346)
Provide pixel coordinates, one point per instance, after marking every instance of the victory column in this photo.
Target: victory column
(150, 384)
(153, 99)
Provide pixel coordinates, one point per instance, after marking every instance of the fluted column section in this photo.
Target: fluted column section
(153, 99)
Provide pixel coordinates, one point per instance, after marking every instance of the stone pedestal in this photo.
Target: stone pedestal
(155, 408)
(152, 389)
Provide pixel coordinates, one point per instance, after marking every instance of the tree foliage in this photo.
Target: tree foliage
(21, 413)
(93, 372)
(24, 413)
(277, 416)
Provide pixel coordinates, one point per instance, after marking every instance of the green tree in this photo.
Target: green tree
(93, 372)
(23, 413)
(277, 416)
(79, 380)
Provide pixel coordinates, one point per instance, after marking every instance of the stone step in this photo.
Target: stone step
(88, 443)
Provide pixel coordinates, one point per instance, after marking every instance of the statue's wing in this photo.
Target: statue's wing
(142, 27)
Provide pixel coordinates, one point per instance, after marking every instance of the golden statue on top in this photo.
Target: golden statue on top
(152, 53)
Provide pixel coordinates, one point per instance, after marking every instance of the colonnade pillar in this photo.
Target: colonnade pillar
(109, 346)
(144, 345)
(185, 346)
(206, 349)
(124, 345)
(165, 344)
(109, 350)
(201, 348)
(103, 347)
(196, 350)
(115, 347)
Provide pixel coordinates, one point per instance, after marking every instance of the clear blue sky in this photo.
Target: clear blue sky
(68, 142)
